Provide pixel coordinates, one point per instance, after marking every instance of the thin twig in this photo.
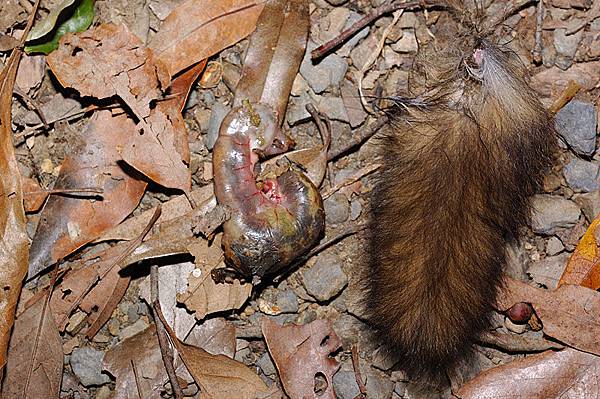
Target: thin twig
(357, 376)
(33, 103)
(83, 190)
(359, 174)
(163, 341)
(376, 13)
(363, 135)
(536, 53)
(567, 95)
(137, 379)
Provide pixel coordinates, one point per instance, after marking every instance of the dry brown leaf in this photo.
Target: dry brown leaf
(40, 379)
(204, 296)
(13, 235)
(570, 314)
(31, 71)
(301, 353)
(550, 375)
(172, 209)
(33, 195)
(109, 60)
(120, 65)
(216, 336)
(67, 223)
(142, 350)
(274, 55)
(155, 154)
(103, 299)
(77, 284)
(198, 29)
(218, 376)
(173, 106)
(583, 267)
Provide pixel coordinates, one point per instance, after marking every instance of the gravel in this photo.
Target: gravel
(582, 175)
(87, 366)
(577, 122)
(550, 213)
(326, 278)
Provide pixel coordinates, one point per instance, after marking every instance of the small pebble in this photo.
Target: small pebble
(582, 175)
(265, 363)
(325, 279)
(133, 329)
(577, 122)
(589, 203)
(554, 246)
(550, 212)
(87, 366)
(337, 209)
(548, 270)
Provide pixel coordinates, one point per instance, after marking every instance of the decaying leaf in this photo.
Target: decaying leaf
(583, 267)
(13, 235)
(122, 66)
(216, 336)
(142, 353)
(570, 314)
(35, 355)
(109, 60)
(172, 280)
(174, 208)
(302, 353)
(79, 284)
(197, 29)
(203, 295)
(550, 375)
(67, 223)
(33, 195)
(219, 376)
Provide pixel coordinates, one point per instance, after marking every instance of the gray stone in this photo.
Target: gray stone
(87, 366)
(589, 203)
(355, 209)
(287, 301)
(334, 108)
(345, 50)
(550, 213)
(265, 363)
(219, 111)
(577, 122)
(566, 47)
(582, 175)
(345, 386)
(350, 330)
(407, 43)
(326, 278)
(548, 271)
(327, 72)
(296, 110)
(383, 358)
(360, 54)
(554, 246)
(337, 209)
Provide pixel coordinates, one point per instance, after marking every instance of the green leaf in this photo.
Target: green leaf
(82, 18)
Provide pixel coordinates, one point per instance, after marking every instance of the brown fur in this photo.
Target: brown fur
(460, 162)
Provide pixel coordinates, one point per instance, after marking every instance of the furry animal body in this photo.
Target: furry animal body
(461, 159)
